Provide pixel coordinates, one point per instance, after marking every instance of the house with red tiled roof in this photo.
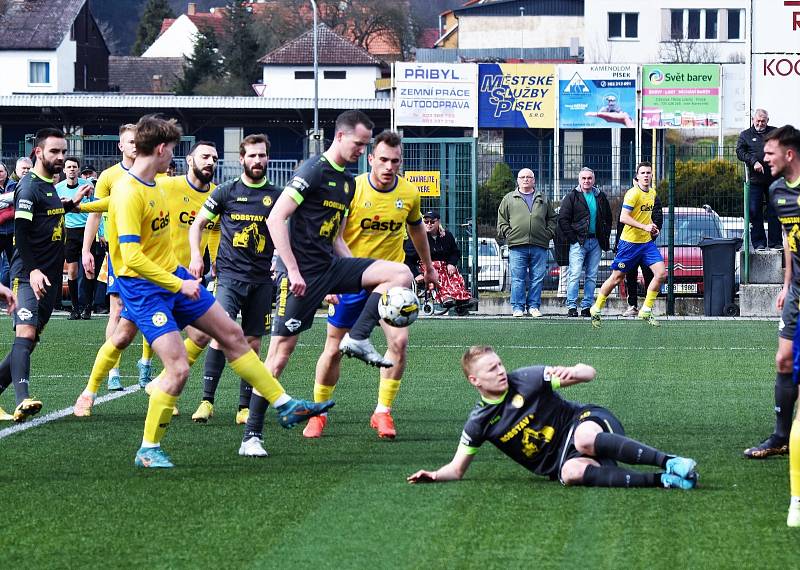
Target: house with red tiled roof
(345, 70)
(178, 35)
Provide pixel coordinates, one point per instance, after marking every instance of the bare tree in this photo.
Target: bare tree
(687, 51)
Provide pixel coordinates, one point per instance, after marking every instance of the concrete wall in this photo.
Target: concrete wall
(477, 32)
(653, 30)
(360, 82)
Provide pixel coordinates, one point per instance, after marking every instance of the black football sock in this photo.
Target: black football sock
(785, 397)
(21, 367)
(72, 284)
(368, 318)
(5, 373)
(214, 365)
(245, 393)
(255, 421)
(627, 450)
(598, 476)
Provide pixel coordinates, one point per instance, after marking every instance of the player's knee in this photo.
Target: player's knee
(783, 362)
(584, 442)
(399, 345)
(572, 473)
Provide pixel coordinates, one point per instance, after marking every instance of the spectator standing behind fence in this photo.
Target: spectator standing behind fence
(22, 167)
(526, 220)
(584, 221)
(7, 227)
(632, 276)
(750, 150)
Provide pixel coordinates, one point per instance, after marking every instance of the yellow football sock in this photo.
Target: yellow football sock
(794, 458)
(107, 358)
(159, 414)
(250, 369)
(322, 392)
(118, 361)
(192, 350)
(650, 300)
(147, 351)
(387, 391)
(600, 302)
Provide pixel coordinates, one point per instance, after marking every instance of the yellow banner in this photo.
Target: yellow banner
(426, 181)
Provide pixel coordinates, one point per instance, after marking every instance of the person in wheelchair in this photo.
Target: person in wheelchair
(445, 254)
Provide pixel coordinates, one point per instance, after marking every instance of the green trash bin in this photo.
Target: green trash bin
(719, 276)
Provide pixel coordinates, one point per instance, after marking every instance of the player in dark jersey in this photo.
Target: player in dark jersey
(782, 154)
(38, 262)
(314, 259)
(244, 261)
(522, 415)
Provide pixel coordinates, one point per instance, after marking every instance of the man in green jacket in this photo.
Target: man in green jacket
(526, 219)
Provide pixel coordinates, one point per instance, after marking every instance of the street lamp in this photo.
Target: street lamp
(521, 32)
(316, 70)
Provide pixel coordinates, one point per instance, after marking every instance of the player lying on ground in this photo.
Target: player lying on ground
(522, 415)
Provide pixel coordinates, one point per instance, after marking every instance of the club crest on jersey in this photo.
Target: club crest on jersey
(346, 187)
(517, 401)
(152, 204)
(267, 201)
(159, 319)
(399, 203)
(798, 200)
(621, 265)
(186, 199)
(367, 204)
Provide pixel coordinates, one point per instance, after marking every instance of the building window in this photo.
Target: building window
(735, 24)
(701, 24)
(304, 75)
(39, 73)
(623, 25)
(335, 74)
(711, 24)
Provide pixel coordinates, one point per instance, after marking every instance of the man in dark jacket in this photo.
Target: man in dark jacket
(584, 221)
(750, 150)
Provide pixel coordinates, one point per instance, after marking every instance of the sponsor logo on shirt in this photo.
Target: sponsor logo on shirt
(293, 324)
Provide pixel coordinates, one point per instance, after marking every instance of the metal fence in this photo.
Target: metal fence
(707, 197)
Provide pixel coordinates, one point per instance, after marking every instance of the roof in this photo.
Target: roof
(332, 49)
(169, 101)
(427, 38)
(136, 74)
(214, 20)
(37, 24)
(530, 7)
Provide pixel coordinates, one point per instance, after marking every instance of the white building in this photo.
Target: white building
(345, 70)
(662, 31)
(178, 35)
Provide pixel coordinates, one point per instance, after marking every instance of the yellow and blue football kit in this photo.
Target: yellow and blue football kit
(636, 246)
(148, 274)
(184, 201)
(375, 229)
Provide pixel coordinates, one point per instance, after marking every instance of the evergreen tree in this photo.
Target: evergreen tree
(240, 49)
(204, 64)
(150, 25)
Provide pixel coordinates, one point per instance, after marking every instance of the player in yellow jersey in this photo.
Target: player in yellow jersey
(636, 246)
(102, 193)
(383, 207)
(161, 297)
(185, 196)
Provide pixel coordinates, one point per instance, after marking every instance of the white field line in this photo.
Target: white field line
(58, 414)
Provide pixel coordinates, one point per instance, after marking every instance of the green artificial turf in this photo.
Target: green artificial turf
(72, 497)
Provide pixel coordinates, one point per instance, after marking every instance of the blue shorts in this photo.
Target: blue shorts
(157, 311)
(630, 255)
(345, 314)
(111, 284)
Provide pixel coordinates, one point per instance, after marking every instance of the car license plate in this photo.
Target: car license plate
(681, 288)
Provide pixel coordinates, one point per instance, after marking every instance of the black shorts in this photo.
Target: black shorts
(254, 300)
(30, 311)
(788, 323)
(602, 417)
(293, 314)
(73, 245)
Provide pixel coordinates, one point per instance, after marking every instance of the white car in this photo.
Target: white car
(492, 265)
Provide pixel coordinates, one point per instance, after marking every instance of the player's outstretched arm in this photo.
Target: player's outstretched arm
(453, 471)
(569, 375)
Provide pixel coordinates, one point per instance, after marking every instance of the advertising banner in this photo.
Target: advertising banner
(516, 95)
(596, 96)
(680, 96)
(776, 60)
(426, 181)
(436, 94)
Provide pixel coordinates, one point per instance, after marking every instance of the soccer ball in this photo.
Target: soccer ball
(398, 307)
